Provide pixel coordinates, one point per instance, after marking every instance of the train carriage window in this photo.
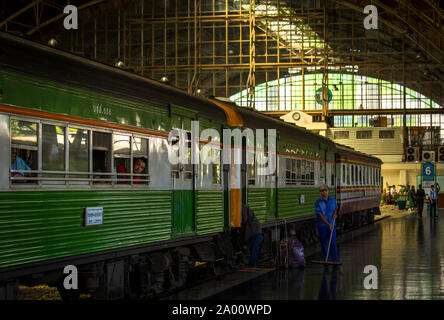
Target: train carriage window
(122, 157)
(304, 171)
(322, 171)
(188, 168)
(360, 182)
(140, 160)
(348, 174)
(216, 169)
(251, 169)
(364, 175)
(290, 171)
(311, 172)
(53, 149)
(343, 173)
(352, 174)
(78, 152)
(298, 170)
(356, 175)
(101, 156)
(23, 150)
(287, 170)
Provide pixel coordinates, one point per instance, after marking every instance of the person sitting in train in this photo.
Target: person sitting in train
(139, 166)
(18, 163)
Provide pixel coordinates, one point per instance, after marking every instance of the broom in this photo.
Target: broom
(326, 262)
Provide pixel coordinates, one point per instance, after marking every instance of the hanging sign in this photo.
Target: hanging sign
(428, 172)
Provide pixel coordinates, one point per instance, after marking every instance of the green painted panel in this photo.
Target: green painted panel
(40, 225)
(53, 97)
(271, 204)
(209, 211)
(257, 201)
(183, 217)
(289, 198)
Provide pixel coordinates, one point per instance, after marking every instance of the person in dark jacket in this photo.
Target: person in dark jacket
(420, 196)
(251, 233)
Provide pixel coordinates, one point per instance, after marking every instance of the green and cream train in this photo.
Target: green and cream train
(86, 179)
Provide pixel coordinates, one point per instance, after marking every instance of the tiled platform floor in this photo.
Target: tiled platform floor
(408, 253)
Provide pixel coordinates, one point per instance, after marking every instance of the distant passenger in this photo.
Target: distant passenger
(18, 163)
(432, 199)
(326, 210)
(412, 198)
(420, 196)
(139, 166)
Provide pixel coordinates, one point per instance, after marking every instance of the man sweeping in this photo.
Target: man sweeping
(326, 209)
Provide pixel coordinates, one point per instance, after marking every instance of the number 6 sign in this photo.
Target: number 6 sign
(428, 171)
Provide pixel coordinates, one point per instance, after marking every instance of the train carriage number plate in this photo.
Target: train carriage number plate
(93, 216)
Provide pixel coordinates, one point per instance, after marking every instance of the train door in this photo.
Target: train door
(183, 175)
(226, 186)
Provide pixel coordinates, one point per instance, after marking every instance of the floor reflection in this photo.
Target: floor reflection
(406, 251)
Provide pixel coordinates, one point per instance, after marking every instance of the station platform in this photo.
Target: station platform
(407, 251)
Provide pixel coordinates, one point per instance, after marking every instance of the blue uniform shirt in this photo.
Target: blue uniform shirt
(327, 208)
(432, 194)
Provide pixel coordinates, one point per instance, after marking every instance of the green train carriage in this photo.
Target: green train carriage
(74, 121)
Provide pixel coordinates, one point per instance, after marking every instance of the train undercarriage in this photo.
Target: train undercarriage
(162, 271)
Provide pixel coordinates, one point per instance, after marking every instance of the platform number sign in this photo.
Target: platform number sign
(428, 171)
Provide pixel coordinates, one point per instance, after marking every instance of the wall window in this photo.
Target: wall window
(364, 134)
(387, 134)
(341, 134)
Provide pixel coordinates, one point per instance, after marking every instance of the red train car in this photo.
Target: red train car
(358, 190)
